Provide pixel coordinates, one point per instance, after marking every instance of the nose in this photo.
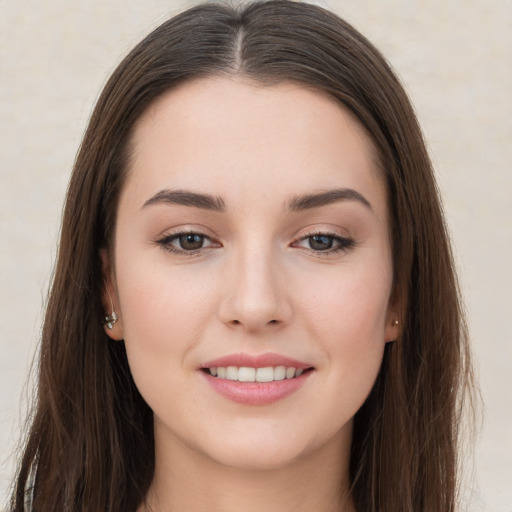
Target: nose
(255, 293)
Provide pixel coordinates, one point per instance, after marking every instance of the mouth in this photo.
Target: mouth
(253, 374)
(256, 380)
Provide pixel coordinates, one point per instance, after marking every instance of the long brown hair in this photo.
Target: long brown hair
(91, 444)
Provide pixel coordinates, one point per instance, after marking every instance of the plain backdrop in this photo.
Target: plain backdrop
(455, 59)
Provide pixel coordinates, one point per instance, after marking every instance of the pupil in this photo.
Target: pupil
(320, 242)
(191, 242)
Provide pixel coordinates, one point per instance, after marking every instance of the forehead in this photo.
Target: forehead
(230, 135)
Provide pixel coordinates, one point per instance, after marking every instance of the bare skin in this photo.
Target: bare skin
(286, 251)
(308, 484)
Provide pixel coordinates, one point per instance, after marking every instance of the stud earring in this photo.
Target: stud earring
(111, 319)
(395, 322)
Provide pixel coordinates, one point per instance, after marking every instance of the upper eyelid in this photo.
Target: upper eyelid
(335, 237)
(335, 233)
(166, 243)
(170, 237)
(345, 240)
(188, 230)
(303, 236)
(173, 234)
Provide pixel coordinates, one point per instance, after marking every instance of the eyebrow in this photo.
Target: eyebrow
(217, 204)
(308, 201)
(187, 198)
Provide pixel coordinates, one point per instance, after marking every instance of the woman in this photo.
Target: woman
(254, 304)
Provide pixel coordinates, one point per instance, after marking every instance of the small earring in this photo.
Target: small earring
(111, 319)
(395, 322)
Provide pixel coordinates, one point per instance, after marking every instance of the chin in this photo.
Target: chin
(257, 458)
(268, 449)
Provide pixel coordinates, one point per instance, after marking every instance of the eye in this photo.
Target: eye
(183, 243)
(190, 241)
(320, 242)
(325, 243)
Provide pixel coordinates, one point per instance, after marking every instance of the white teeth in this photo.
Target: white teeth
(265, 374)
(279, 372)
(232, 373)
(248, 374)
(290, 373)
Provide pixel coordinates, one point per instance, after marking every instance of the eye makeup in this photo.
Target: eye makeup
(190, 242)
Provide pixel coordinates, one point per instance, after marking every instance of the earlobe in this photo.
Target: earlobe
(392, 328)
(112, 323)
(112, 328)
(111, 319)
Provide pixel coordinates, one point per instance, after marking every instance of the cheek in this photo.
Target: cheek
(350, 306)
(164, 313)
(159, 300)
(349, 321)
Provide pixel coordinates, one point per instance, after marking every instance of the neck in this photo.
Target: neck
(191, 482)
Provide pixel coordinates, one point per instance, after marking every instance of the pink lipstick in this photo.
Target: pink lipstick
(256, 380)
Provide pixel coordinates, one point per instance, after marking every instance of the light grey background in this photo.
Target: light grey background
(455, 58)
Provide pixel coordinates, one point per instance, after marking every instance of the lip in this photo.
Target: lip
(257, 361)
(255, 393)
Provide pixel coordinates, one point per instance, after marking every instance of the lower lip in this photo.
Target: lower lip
(256, 393)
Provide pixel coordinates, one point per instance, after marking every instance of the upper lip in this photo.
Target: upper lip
(256, 361)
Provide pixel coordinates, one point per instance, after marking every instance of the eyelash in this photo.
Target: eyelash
(166, 241)
(344, 243)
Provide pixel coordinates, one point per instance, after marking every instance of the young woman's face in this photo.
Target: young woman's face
(251, 242)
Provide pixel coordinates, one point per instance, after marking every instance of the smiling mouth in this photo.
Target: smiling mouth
(250, 374)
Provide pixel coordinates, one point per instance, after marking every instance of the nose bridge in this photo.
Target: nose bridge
(254, 296)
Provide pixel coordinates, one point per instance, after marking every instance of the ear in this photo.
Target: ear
(110, 300)
(393, 326)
